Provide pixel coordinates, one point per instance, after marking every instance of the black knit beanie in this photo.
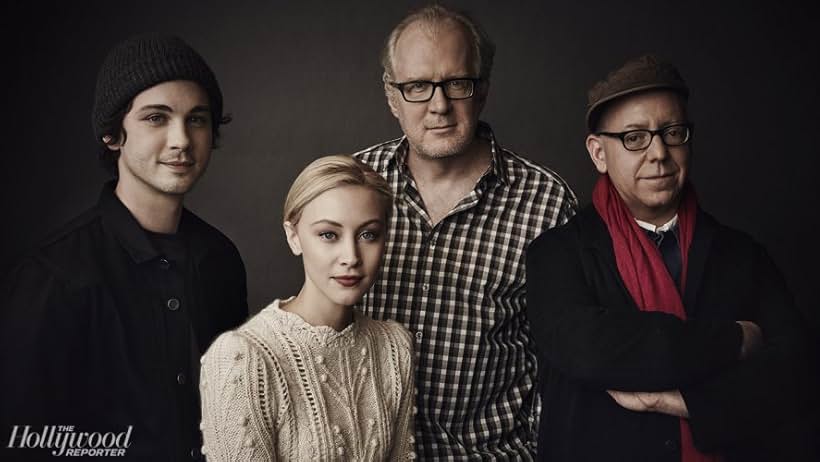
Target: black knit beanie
(141, 62)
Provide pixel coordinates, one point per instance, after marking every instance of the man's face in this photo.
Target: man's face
(168, 141)
(649, 181)
(439, 127)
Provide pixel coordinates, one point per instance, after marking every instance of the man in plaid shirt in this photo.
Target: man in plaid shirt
(464, 213)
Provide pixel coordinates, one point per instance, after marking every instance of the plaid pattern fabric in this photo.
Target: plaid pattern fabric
(459, 287)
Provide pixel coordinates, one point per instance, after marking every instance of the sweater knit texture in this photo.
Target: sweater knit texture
(278, 388)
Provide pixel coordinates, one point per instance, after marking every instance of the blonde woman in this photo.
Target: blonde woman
(309, 377)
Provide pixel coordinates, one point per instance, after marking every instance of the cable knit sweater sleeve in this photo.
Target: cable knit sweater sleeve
(236, 407)
(404, 446)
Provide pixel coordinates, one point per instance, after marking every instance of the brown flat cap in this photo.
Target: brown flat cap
(639, 74)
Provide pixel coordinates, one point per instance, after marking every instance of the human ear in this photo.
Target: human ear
(109, 142)
(483, 91)
(391, 94)
(597, 153)
(293, 238)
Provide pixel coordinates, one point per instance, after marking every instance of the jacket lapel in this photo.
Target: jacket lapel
(595, 236)
(698, 254)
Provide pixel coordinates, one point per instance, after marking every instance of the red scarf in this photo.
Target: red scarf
(644, 272)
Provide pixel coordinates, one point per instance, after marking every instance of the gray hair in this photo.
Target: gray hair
(483, 47)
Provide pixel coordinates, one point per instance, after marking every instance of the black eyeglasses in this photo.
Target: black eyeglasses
(637, 140)
(420, 91)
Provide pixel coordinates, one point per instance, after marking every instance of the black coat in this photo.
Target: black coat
(591, 337)
(101, 330)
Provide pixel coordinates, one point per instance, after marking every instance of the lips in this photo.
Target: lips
(348, 281)
(660, 177)
(441, 127)
(178, 165)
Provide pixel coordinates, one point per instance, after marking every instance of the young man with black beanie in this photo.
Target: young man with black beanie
(102, 326)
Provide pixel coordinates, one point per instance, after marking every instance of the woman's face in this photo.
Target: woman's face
(340, 237)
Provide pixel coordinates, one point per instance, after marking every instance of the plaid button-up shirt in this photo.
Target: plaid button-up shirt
(459, 286)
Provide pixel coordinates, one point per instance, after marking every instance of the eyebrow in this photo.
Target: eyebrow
(339, 225)
(327, 222)
(165, 108)
(636, 126)
(420, 79)
(645, 126)
(374, 221)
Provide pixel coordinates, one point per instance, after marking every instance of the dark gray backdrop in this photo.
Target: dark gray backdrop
(303, 80)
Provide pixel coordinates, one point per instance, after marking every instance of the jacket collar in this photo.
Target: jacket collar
(498, 169)
(127, 230)
(595, 236)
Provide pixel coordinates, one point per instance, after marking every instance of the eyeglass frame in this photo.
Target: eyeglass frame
(690, 129)
(441, 83)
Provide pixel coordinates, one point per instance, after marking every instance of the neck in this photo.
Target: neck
(657, 218)
(319, 313)
(470, 163)
(159, 213)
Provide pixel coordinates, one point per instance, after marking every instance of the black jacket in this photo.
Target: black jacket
(592, 337)
(100, 330)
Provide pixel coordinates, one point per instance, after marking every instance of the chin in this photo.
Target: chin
(178, 187)
(442, 149)
(348, 299)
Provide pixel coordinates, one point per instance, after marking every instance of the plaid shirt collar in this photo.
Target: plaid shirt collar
(496, 172)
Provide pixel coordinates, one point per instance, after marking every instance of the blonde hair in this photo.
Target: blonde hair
(329, 172)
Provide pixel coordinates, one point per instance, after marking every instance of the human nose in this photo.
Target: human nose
(349, 253)
(439, 102)
(178, 137)
(657, 150)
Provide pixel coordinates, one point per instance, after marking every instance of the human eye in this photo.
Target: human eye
(674, 130)
(634, 138)
(675, 133)
(156, 118)
(417, 87)
(327, 235)
(369, 235)
(458, 84)
(199, 120)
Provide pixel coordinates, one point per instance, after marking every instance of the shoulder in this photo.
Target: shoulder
(528, 173)
(238, 349)
(226, 346)
(205, 238)
(67, 253)
(728, 240)
(581, 226)
(379, 154)
(204, 230)
(388, 332)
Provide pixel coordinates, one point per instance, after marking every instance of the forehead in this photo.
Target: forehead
(346, 205)
(648, 109)
(177, 94)
(433, 50)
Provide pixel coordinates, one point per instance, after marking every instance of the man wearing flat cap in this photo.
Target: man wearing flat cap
(665, 336)
(103, 324)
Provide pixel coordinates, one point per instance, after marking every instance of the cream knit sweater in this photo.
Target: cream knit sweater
(278, 388)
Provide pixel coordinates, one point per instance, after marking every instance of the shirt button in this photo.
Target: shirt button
(164, 263)
(172, 304)
(196, 453)
(425, 287)
(181, 378)
(671, 445)
(418, 336)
